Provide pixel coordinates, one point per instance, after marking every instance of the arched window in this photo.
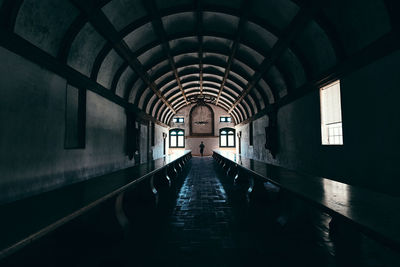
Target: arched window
(227, 137)
(177, 138)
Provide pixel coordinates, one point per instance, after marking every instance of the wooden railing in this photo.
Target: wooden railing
(372, 213)
(29, 219)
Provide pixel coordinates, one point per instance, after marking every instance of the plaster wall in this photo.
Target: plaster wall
(369, 156)
(157, 149)
(32, 114)
(193, 142)
(143, 143)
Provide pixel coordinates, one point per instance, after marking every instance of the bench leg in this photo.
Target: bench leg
(294, 213)
(153, 189)
(232, 170)
(347, 242)
(120, 214)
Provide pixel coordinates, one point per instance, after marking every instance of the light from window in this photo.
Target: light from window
(331, 115)
(173, 139)
(223, 138)
(176, 138)
(227, 137)
(181, 139)
(225, 119)
(179, 120)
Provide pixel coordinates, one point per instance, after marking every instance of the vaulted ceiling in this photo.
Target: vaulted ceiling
(157, 56)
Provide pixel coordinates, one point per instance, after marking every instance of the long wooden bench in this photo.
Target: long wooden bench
(375, 214)
(26, 220)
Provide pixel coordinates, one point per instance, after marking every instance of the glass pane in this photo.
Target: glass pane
(223, 140)
(180, 140)
(331, 115)
(173, 141)
(231, 140)
(330, 101)
(228, 119)
(223, 132)
(180, 133)
(230, 132)
(337, 140)
(173, 133)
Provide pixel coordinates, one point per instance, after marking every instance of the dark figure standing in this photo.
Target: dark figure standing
(201, 148)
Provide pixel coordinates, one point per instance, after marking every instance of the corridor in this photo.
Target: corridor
(212, 223)
(207, 221)
(104, 105)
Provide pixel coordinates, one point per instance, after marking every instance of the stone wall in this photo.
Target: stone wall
(193, 142)
(369, 156)
(32, 114)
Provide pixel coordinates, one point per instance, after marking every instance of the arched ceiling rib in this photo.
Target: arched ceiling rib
(249, 55)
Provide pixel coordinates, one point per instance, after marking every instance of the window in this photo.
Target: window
(331, 114)
(227, 137)
(153, 134)
(225, 119)
(177, 138)
(75, 118)
(179, 120)
(251, 141)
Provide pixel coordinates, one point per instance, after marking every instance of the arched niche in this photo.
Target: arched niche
(201, 112)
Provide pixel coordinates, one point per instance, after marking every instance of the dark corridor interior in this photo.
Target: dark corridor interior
(104, 105)
(207, 219)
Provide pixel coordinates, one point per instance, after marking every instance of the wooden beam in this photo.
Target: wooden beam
(20, 46)
(243, 19)
(158, 27)
(69, 37)
(296, 26)
(199, 30)
(380, 48)
(101, 23)
(8, 13)
(117, 76)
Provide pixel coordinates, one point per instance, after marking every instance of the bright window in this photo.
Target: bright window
(227, 137)
(225, 119)
(179, 120)
(177, 138)
(331, 114)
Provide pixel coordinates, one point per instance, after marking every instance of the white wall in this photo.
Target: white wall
(193, 142)
(158, 141)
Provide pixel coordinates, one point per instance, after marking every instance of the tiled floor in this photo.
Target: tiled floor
(213, 224)
(207, 221)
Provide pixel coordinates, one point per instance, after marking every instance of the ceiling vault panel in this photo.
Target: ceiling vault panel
(249, 57)
(160, 31)
(297, 25)
(243, 18)
(107, 30)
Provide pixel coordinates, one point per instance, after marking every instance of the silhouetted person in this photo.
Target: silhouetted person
(201, 148)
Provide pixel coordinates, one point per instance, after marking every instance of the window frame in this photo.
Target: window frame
(79, 122)
(176, 136)
(225, 119)
(227, 136)
(326, 126)
(177, 120)
(251, 134)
